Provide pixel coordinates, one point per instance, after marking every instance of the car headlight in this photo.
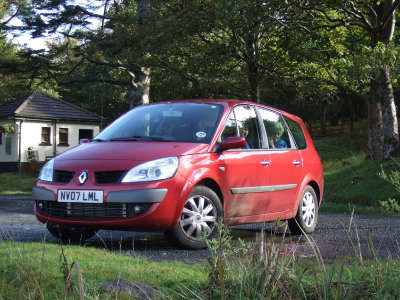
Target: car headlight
(46, 173)
(153, 170)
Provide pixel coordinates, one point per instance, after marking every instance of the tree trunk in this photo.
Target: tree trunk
(375, 130)
(390, 126)
(382, 118)
(140, 88)
(382, 115)
(142, 10)
(254, 82)
(323, 116)
(253, 75)
(375, 120)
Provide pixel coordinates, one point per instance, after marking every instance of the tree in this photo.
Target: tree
(20, 70)
(83, 44)
(239, 43)
(375, 21)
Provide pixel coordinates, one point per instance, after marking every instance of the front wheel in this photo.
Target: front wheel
(71, 233)
(199, 217)
(307, 213)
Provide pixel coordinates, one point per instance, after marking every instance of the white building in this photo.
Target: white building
(44, 124)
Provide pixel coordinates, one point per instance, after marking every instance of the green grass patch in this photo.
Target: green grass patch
(39, 271)
(35, 270)
(351, 179)
(17, 183)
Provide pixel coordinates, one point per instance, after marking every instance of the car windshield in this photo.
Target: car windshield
(180, 122)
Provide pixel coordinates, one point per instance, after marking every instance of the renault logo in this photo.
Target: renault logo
(82, 178)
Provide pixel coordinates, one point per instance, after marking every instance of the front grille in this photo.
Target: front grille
(63, 176)
(84, 211)
(109, 176)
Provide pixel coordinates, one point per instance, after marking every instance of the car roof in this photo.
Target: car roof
(230, 103)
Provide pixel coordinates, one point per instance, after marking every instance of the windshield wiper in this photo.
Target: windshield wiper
(98, 140)
(138, 138)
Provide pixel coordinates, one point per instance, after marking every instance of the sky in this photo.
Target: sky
(25, 39)
(40, 43)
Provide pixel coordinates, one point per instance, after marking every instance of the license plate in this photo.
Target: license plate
(80, 196)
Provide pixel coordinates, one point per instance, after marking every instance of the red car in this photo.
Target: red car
(179, 166)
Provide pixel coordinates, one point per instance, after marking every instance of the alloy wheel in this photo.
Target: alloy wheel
(308, 209)
(199, 215)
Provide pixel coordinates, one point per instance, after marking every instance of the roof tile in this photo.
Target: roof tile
(44, 106)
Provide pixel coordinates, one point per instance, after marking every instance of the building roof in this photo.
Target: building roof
(42, 106)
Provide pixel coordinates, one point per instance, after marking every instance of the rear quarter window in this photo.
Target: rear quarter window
(297, 133)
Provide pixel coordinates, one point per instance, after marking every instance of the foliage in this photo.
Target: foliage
(8, 129)
(274, 270)
(392, 206)
(30, 155)
(222, 251)
(313, 58)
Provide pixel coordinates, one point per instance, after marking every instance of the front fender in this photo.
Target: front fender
(195, 170)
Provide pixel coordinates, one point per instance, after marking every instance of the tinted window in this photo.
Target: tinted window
(181, 122)
(242, 121)
(297, 133)
(248, 126)
(230, 128)
(277, 133)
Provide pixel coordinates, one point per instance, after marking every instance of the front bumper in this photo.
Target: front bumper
(154, 206)
(132, 196)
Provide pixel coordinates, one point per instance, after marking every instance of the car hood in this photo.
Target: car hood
(131, 151)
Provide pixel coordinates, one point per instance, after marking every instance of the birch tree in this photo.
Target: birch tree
(376, 19)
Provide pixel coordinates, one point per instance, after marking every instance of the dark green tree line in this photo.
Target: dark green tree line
(311, 57)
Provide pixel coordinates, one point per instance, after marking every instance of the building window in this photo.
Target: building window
(63, 136)
(45, 135)
(85, 134)
(1, 138)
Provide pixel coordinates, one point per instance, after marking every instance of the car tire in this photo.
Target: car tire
(307, 213)
(71, 233)
(201, 212)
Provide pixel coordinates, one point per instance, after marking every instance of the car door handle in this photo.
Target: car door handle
(265, 163)
(296, 163)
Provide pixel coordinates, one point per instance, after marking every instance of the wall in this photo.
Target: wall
(13, 140)
(31, 137)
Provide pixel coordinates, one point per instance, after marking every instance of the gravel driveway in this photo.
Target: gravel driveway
(17, 222)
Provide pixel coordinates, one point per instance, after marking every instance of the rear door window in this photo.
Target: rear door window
(277, 132)
(297, 133)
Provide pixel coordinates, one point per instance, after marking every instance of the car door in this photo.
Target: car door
(285, 163)
(246, 170)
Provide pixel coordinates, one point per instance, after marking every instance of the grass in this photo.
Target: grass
(351, 179)
(260, 270)
(35, 270)
(17, 183)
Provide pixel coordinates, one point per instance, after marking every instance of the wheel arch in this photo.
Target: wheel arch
(213, 185)
(317, 190)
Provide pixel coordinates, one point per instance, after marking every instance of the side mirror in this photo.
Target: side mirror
(83, 141)
(233, 142)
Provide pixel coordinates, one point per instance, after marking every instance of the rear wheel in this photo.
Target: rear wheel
(199, 216)
(71, 233)
(307, 213)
